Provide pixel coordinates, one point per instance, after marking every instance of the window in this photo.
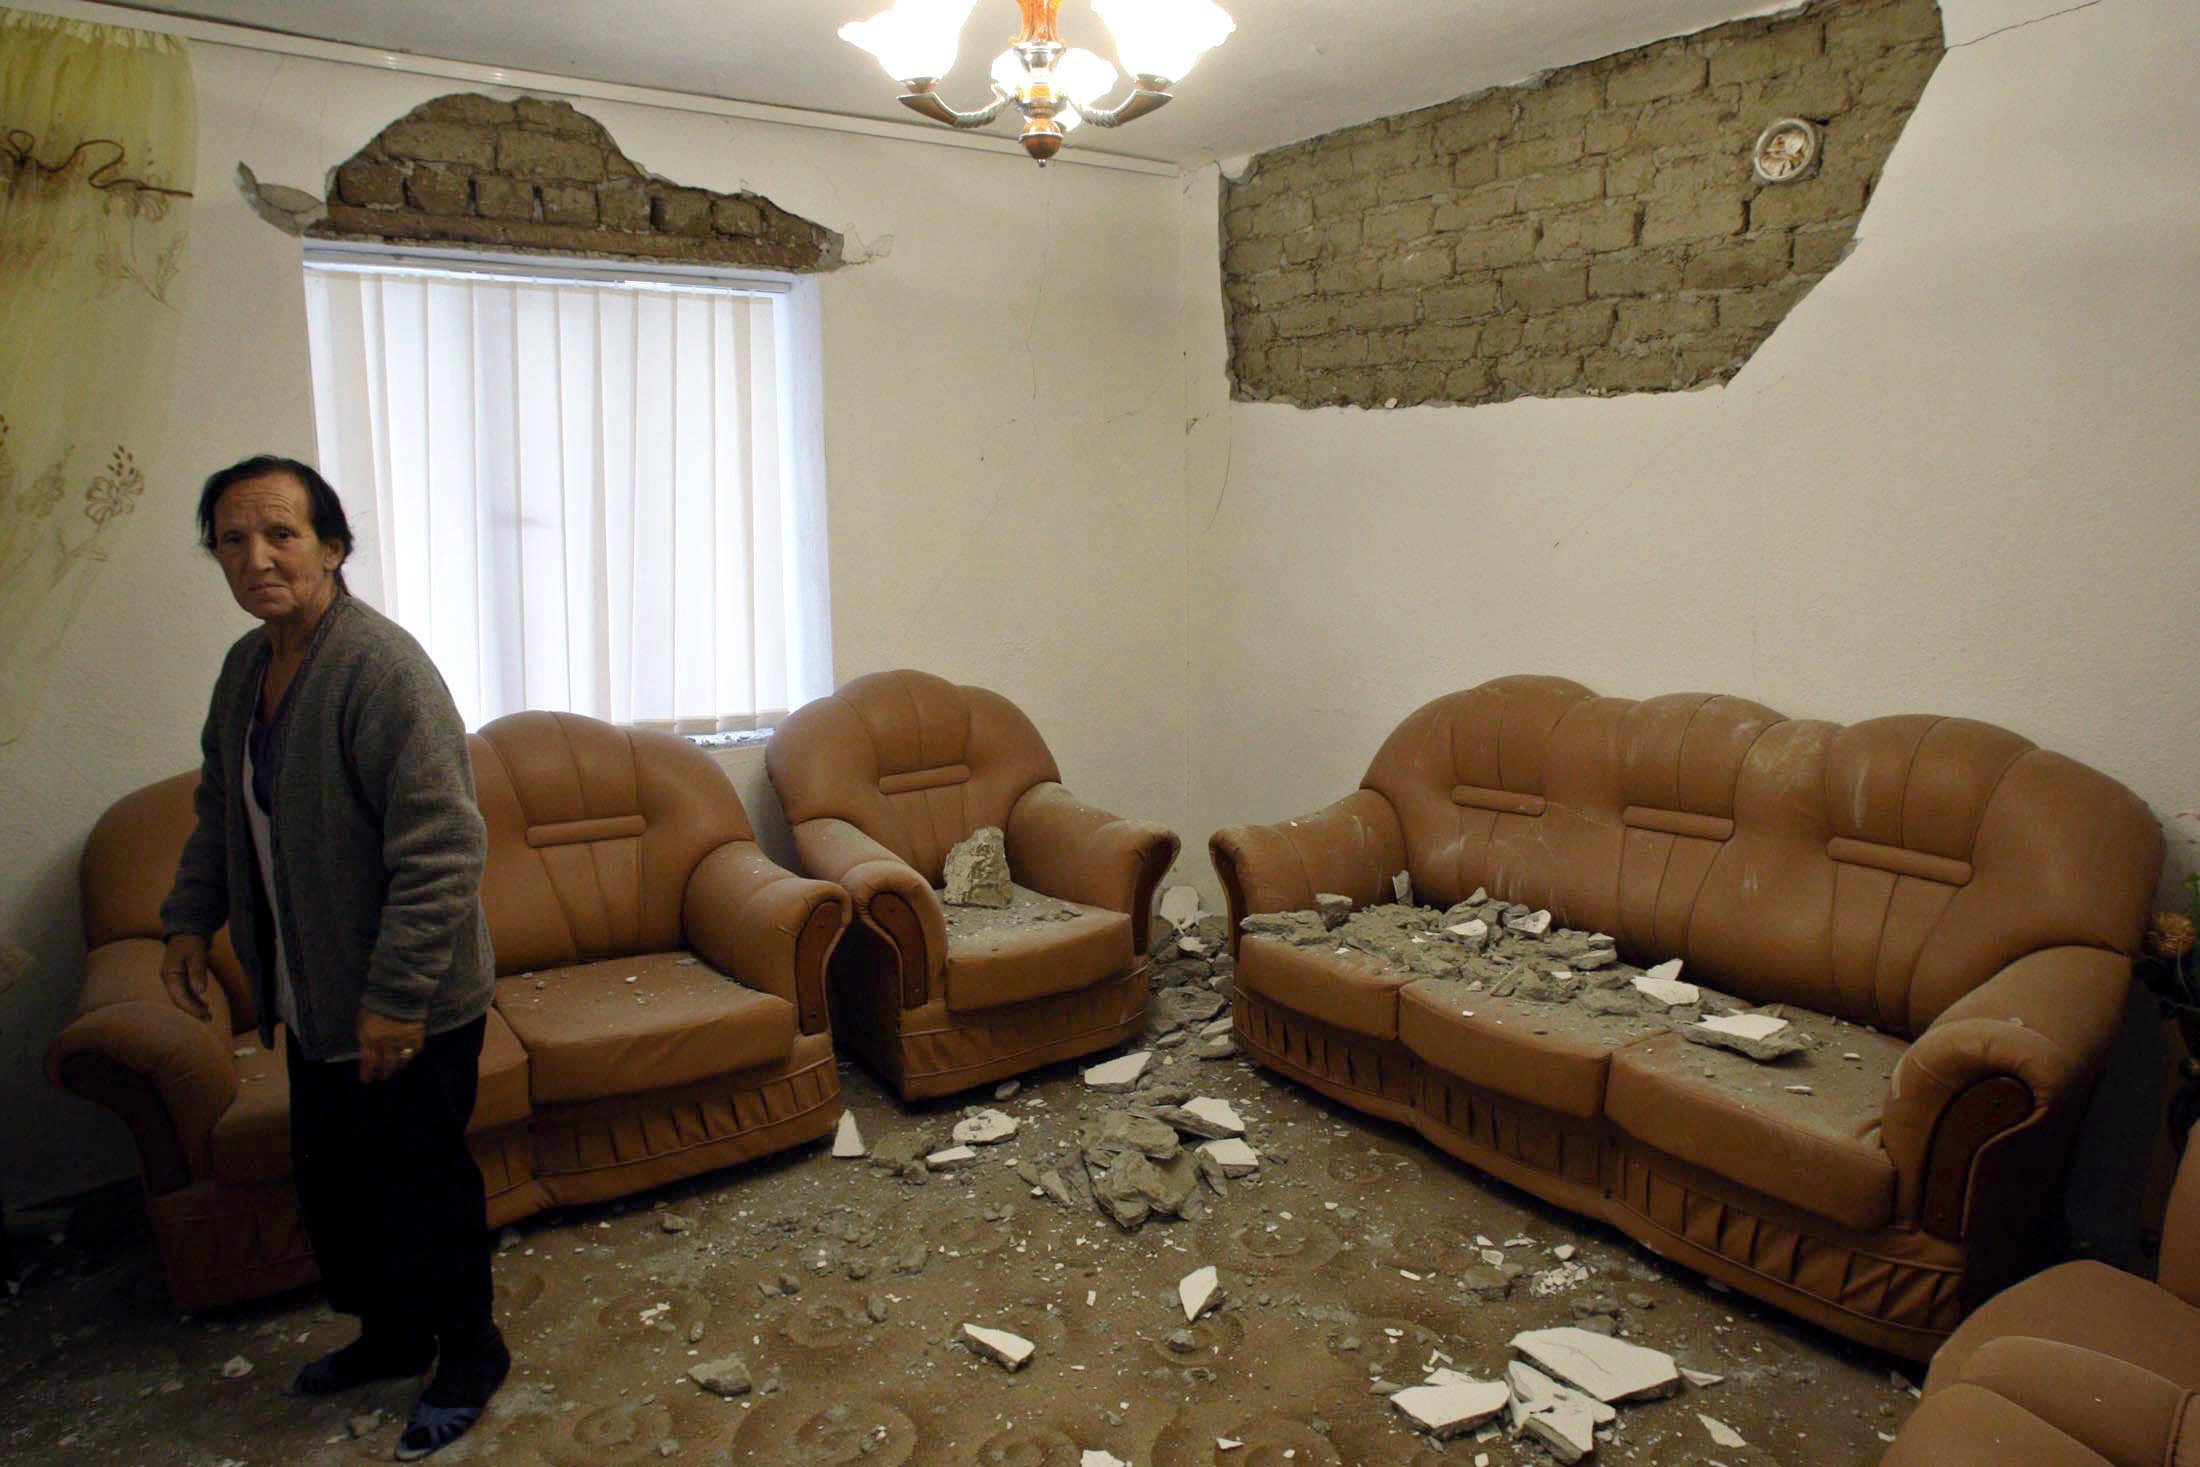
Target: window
(595, 489)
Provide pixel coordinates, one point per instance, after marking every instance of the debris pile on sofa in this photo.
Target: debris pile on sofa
(1507, 950)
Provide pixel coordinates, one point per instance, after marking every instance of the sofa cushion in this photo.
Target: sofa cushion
(1552, 1055)
(590, 1033)
(1035, 947)
(1970, 1426)
(1339, 986)
(251, 1141)
(2090, 1305)
(1817, 1150)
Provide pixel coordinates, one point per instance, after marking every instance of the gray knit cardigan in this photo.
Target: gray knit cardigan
(377, 842)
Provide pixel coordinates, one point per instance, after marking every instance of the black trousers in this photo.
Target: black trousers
(392, 1200)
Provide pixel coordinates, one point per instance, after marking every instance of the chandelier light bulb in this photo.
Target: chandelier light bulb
(915, 40)
(1164, 38)
(1084, 76)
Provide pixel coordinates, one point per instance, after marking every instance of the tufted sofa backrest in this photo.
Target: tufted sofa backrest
(1878, 872)
(912, 760)
(593, 832)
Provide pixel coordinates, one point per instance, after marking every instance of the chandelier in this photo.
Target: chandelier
(1054, 87)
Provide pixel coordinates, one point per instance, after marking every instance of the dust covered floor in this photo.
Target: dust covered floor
(1342, 1260)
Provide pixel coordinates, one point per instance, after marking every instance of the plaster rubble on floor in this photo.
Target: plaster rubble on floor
(1013, 1352)
(1609, 1369)
(848, 1137)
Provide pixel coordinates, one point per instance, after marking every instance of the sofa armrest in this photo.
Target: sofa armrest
(2122, 1411)
(769, 928)
(2017, 1054)
(1354, 847)
(168, 1075)
(2179, 1270)
(889, 896)
(1075, 852)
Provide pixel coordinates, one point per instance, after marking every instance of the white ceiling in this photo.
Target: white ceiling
(1295, 68)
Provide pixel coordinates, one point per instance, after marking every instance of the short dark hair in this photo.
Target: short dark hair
(327, 511)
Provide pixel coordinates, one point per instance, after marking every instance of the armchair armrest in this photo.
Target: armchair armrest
(1077, 852)
(1354, 847)
(2016, 1054)
(2179, 1270)
(889, 896)
(769, 928)
(169, 1076)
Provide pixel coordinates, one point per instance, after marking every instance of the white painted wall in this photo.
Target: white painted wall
(1003, 455)
(1963, 477)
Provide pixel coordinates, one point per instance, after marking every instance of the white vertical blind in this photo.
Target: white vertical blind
(603, 496)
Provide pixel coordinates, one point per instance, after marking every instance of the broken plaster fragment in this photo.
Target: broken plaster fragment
(1232, 1156)
(1535, 924)
(1199, 1291)
(1332, 907)
(1722, 1435)
(728, 1377)
(1207, 1116)
(1609, 1369)
(1449, 1404)
(1092, 1458)
(1119, 1075)
(1668, 991)
(1010, 1352)
(985, 1128)
(949, 1159)
(1180, 906)
(1755, 1036)
(1401, 888)
(848, 1139)
(975, 873)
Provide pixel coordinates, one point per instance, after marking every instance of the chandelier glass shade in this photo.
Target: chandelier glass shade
(1052, 87)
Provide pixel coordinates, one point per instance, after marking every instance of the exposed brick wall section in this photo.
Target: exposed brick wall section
(537, 175)
(1597, 231)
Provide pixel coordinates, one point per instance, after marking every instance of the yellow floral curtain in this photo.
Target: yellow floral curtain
(98, 144)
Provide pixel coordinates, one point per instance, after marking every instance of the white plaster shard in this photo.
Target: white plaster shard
(1218, 1114)
(1609, 1369)
(1532, 1390)
(1227, 1444)
(848, 1140)
(1722, 1435)
(1232, 1155)
(1563, 1252)
(1119, 1074)
(1668, 971)
(1668, 991)
(1746, 1026)
(1700, 1378)
(1012, 1352)
(1180, 906)
(1092, 1458)
(985, 1128)
(1199, 1291)
(1473, 930)
(1562, 1419)
(952, 1157)
(1401, 888)
(1448, 1404)
(1535, 924)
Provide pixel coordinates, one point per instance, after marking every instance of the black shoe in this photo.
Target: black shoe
(362, 1362)
(454, 1400)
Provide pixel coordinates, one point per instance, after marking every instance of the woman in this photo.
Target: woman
(339, 838)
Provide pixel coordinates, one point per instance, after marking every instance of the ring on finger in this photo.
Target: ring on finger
(405, 1053)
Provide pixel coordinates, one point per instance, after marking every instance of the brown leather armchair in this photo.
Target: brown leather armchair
(879, 781)
(611, 852)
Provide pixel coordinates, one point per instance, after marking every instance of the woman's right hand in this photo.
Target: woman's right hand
(183, 974)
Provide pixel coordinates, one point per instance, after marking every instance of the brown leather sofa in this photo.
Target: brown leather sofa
(612, 853)
(2081, 1366)
(1972, 899)
(879, 781)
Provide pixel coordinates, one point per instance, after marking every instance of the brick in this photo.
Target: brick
(1671, 221)
(1870, 29)
(681, 211)
(1646, 274)
(1539, 155)
(1697, 124)
(466, 108)
(1756, 261)
(624, 205)
(1563, 98)
(1783, 47)
(1308, 318)
(1539, 376)
(1343, 277)
(366, 185)
(1446, 341)
(1251, 256)
(1340, 237)
(1398, 223)
(1821, 89)
(570, 204)
(1470, 383)
(1460, 300)
(1414, 183)
(1501, 334)
(1346, 349)
(1576, 185)
(1388, 153)
(1545, 287)
(1810, 201)
(731, 216)
(1571, 329)
(498, 197)
(1282, 289)
(433, 191)
(1346, 388)
(1597, 230)
(1304, 247)
(1629, 173)
(1483, 121)
(1484, 205)
(1612, 371)
(440, 142)
(1714, 173)
(1608, 132)
(539, 155)
(1762, 308)
(1647, 320)
(558, 117)
(1475, 166)
(1819, 250)
(1380, 313)
(1510, 243)
(1424, 266)
(1283, 216)
(1351, 198)
(1898, 80)
(1667, 74)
